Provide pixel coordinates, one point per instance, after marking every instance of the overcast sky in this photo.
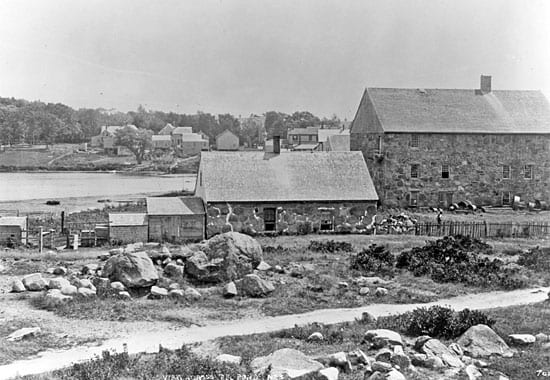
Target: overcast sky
(245, 57)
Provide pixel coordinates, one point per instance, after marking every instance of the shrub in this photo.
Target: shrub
(332, 334)
(375, 258)
(436, 321)
(459, 259)
(330, 246)
(536, 258)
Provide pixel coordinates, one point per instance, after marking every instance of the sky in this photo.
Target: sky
(253, 56)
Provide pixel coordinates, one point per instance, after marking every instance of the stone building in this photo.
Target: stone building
(263, 192)
(434, 147)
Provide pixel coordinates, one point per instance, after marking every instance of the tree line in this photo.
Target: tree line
(35, 122)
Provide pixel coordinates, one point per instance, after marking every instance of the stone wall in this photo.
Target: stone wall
(475, 162)
(292, 217)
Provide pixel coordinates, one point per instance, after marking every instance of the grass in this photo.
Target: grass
(11, 351)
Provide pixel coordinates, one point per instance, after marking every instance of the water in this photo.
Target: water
(52, 185)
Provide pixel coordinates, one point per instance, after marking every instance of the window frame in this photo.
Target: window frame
(443, 171)
(509, 171)
(415, 140)
(417, 173)
(530, 167)
(509, 196)
(414, 195)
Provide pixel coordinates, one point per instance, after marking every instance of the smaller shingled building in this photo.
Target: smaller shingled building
(175, 219)
(294, 192)
(127, 228)
(14, 229)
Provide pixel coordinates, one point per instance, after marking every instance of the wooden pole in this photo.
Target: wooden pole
(41, 242)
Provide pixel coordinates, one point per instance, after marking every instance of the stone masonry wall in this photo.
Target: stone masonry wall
(292, 218)
(475, 162)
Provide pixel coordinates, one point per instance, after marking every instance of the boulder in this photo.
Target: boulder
(86, 292)
(34, 282)
(330, 373)
(226, 358)
(60, 271)
(85, 283)
(192, 294)
(253, 286)
(176, 293)
(55, 297)
(481, 341)
(375, 376)
(423, 360)
(200, 268)
(263, 266)
(23, 333)
(69, 290)
(382, 337)
(339, 360)
(384, 355)
(358, 357)
(381, 292)
(230, 290)
(134, 270)
(17, 286)
(364, 291)
(542, 338)
(434, 348)
(174, 270)
(134, 247)
(117, 285)
(382, 367)
(89, 268)
(116, 251)
(522, 339)
(58, 283)
(399, 358)
(369, 281)
(316, 337)
(124, 295)
(472, 372)
(285, 362)
(395, 375)
(367, 317)
(157, 292)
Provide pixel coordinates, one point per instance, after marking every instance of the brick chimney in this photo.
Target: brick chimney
(485, 84)
(277, 144)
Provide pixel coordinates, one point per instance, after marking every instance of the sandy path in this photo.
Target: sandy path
(148, 340)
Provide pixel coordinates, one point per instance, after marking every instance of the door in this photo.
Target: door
(270, 219)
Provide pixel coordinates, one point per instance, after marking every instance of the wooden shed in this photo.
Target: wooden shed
(176, 219)
(128, 228)
(13, 228)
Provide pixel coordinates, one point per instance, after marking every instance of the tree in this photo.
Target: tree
(275, 124)
(137, 141)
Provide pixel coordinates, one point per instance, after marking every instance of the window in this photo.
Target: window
(310, 138)
(445, 199)
(413, 199)
(445, 171)
(506, 198)
(528, 172)
(270, 219)
(414, 141)
(505, 171)
(294, 137)
(326, 221)
(415, 171)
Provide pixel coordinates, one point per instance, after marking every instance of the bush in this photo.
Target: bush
(459, 259)
(330, 246)
(536, 258)
(375, 258)
(436, 321)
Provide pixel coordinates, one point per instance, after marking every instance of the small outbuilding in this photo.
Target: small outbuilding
(128, 228)
(13, 229)
(175, 219)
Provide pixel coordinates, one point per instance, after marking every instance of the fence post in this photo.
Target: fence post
(41, 240)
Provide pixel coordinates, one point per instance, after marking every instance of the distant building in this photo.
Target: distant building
(337, 143)
(167, 130)
(325, 133)
(435, 147)
(256, 192)
(190, 143)
(176, 219)
(107, 138)
(14, 229)
(308, 137)
(205, 137)
(128, 228)
(161, 141)
(227, 140)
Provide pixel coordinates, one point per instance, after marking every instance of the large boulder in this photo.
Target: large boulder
(481, 341)
(58, 283)
(17, 286)
(434, 348)
(54, 297)
(133, 269)
(252, 285)
(284, 363)
(200, 268)
(34, 282)
(239, 254)
(382, 337)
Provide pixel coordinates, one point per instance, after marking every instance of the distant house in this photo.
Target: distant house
(325, 133)
(167, 130)
(107, 138)
(256, 192)
(176, 219)
(227, 140)
(190, 143)
(309, 137)
(337, 143)
(436, 147)
(128, 228)
(14, 229)
(205, 137)
(161, 141)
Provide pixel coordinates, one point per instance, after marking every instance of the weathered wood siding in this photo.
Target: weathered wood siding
(176, 228)
(128, 234)
(10, 231)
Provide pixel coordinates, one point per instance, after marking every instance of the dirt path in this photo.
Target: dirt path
(148, 338)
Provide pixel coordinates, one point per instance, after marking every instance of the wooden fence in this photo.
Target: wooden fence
(484, 229)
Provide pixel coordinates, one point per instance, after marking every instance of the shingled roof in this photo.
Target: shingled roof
(165, 206)
(293, 176)
(455, 111)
